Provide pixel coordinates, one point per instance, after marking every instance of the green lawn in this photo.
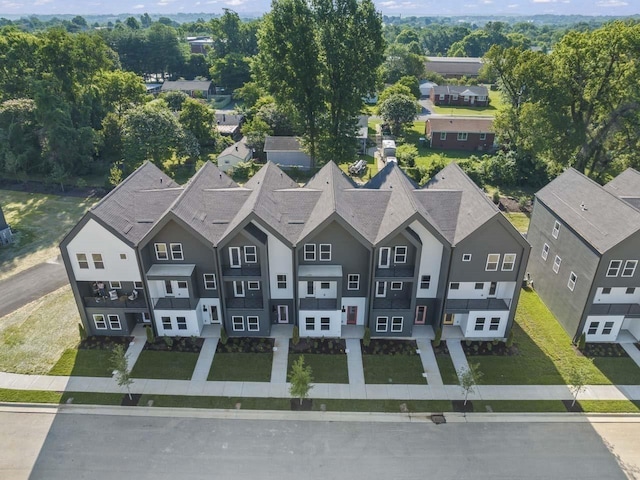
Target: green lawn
(610, 406)
(216, 402)
(325, 368)
(39, 222)
(388, 406)
(495, 105)
(396, 369)
(88, 398)
(29, 396)
(241, 367)
(372, 168)
(519, 220)
(170, 365)
(507, 406)
(447, 370)
(83, 363)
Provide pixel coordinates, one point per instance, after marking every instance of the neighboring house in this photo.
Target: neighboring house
(200, 45)
(460, 95)
(329, 257)
(460, 133)
(236, 153)
(363, 133)
(193, 88)
(586, 245)
(153, 88)
(6, 236)
(229, 125)
(286, 152)
(425, 88)
(454, 67)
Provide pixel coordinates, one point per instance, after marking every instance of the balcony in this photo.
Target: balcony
(395, 272)
(172, 303)
(121, 302)
(619, 309)
(244, 303)
(228, 271)
(466, 305)
(318, 304)
(389, 304)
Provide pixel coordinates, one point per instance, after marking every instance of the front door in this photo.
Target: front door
(352, 315)
(492, 289)
(421, 315)
(283, 314)
(213, 312)
(448, 319)
(473, 100)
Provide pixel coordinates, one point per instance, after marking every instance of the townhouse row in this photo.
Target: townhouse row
(330, 257)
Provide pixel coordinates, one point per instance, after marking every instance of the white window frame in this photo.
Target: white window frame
(556, 229)
(381, 293)
(443, 135)
(325, 324)
(234, 254)
(138, 285)
(325, 285)
(250, 254)
(209, 281)
(310, 324)
(83, 261)
(166, 321)
(494, 324)
(281, 280)
(176, 251)
(114, 284)
(98, 261)
(629, 265)
(161, 251)
(387, 251)
(556, 264)
(454, 96)
(571, 284)
(235, 326)
(442, 96)
(181, 322)
(483, 136)
(616, 269)
(480, 322)
(491, 259)
(512, 261)
(545, 252)
(382, 324)
(400, 254)
(353, 281)
(182, 284)
(253, 323)
(395, 325)
(253, 285)
(462, 136)
(425, 279)
(466, 257)
(397, 285)
(238, 289)
(309, 252)
(100, 319)
(324, 252)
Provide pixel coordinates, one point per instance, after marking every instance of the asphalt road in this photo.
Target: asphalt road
(91, 446)
(31, 284)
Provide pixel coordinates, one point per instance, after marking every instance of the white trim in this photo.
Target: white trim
(138, 285)
(249, 256)
(161, 251)
(103, 321)
(512, 257)
(235, 258)
(356, 281)
(571, 284)
(237, 327)
(491, 259)
(616, 269)
(115, 284)
(399, 256)
(82, 259)
(443, 135)
(97, 260)
(384, 321)
(466, 257)
(545, 252)
(387, 251)
(253, 285)
(323, 250)
(253, 319)
(395, 324)
(462, 136)
(309, 252)
(556, 264)
(556, 229)
(238, 289)
(211, 281)
(397, 285)
(176, 251)
(630, 264)
(379, 293)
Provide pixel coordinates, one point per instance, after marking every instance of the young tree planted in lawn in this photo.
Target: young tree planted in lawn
(468, 379)
(300, 378)
(578, 378)
(120, 366)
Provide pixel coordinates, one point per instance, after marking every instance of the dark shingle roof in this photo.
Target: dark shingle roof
(281, 144)
(626, 186)
(601, 218)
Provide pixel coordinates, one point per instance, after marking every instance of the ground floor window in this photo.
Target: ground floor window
(396, 324)
(325, 323)
(253, 324)
(99, 322)
(237, 323)
(382, 324)
(593, 328)
(608, 326)
(166, 323)
(182, 323)
(495, 323)
(480, 324)
(114, 322)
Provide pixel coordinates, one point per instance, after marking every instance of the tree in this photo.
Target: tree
(468, 379)
(400, 61)
(396, 88)
(300, 378)
(413, 84)
(199, 119)
(399, 111)
(120, 366)
(578, 378)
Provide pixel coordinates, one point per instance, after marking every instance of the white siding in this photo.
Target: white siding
(280, 262)
(194, 324)
(359, 302)
(467, 291)
(331, 292)
(468, 325)
(505, 290)
(205, 316)
(617, 295)
(430, 260)
(94, 238)
(633, 326)
(601, 319)
(335, 329)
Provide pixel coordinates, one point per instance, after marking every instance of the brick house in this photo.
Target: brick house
(460, 133)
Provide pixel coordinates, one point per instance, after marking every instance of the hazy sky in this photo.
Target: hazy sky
(388, 7)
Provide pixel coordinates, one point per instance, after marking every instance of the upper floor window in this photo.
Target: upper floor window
(209, 281)
(614, 268)
(310, 252)
(82, 260)
(281, 281)
(396, 285)
(462, 136)
(384, 257)
(629, 268)
(353, 281)
(97, 261)
(115, 284)
(425, 281)
(493, 259)
(253, 285)
(176, 251)
(400, 254)
(556, 229)
(250, 254)
(234, 257)
(466, 257)
(606, 290)
(454, 286)
(630, 291)
(114, 322)
(325, 252)
(479, 286)
(137, 285)
(161, 251)
(572, 281)
(508, 262)
(556, 264)
(545, 251)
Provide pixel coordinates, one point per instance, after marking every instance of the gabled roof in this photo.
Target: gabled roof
(229, 119)
(239, 150)
(626, 186)
(281, 144)
(601, 218)
(469, 66)
(186, 85)
(462, 90)
(460, 124)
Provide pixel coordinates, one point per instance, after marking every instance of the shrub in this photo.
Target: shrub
(582, 341)
(438, 338)
(509, 342)
(82, 331)
(295, 339)
(151, 337)
(223, 336)
(168, 341)
(496, 197)
(366, 339)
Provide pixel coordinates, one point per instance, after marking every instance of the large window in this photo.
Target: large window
(462, 136)
(508, 262)
(237, 323)
(400, 254)
(572, 281)
(325, 252)
(176, 251)
(556, 264)
(545, 251)
(493, 259)
(82, 260)
(614, 268)
(250, 254)
(629, 268)
(100, 322)
(234, 257)
(556, 229)
(209, 281)
(161, 251)
(382, 324)
(253, 324)
(182, 323)
(310, 252)
(281, 281)
(353, 281)
(98, 264)
(495, 324)
(425, 281)
(480, 324)
(396, 324)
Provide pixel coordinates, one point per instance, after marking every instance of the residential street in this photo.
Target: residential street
(196, 444)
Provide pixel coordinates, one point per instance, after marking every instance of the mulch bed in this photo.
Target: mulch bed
(390, 347)
(307, 404)
(324, 346)
(603, 350)
(441, 349)
(131, 402)
(175, 344)
(246, 345)
(577, 408)
(490, 348)
(104, 343)
(459, 406)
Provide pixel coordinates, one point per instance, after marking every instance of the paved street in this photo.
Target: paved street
(108, 445)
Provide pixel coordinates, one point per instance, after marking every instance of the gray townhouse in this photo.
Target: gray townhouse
(330, 257)
(585, 247)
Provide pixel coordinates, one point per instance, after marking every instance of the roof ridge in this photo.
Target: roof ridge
(467, 178)
(601, 187)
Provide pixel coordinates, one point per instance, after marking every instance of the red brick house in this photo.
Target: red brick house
(463, 95)
(460, 133)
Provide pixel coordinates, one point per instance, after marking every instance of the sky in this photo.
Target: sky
(387, 7)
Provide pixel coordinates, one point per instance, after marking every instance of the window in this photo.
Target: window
(396, 324)
(310, 323)
(166, 323)
(137, 285)
(384, 257)
(545, 251)
(593, 328)
(161, 251)
(325, 252)
(572, 281)
(97, 261)
(629, 268)
(400, 255)
(443, 135)
(480, 324)
(614, 268)
(82, 260)
(556, 264)
(479, 286)
(454, 96)
(237, 323)
(123, 256)
(608, 326)
(442, 96)
(381, 289)
(466, 98)
(382, 324)
(253, 285)
(353, 281)
(250, 254)
(630, 291)
(114, 322)
(310, 289)
(182, 323)
(99, 322)
(176, 251)
(483, 136)
(209, 281)
(325, 285)
(466, 257)
(494, 324)
(281, 281)
(117, 285)
(182, 284)
(234, 257)
(310, 252)
(454, 286)
(425, 281)
(238, 289)
(508, 262)
(253, 324)
(325, 323)
(606, 290)
(493, 259)
(462, 136)
(396, 285)
(556, 229)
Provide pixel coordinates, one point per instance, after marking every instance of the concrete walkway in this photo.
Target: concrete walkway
(429, 363)
(280, 361)
(632, 351)
(458, 357)
(134, 351)
(354, 361)
(205, 359)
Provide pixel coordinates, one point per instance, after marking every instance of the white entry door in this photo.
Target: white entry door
(283, 314)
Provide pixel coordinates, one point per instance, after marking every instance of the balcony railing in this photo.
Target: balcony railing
(396, 272)
(245, 303)
(228, 271)
(389, 304)
(465, 305)
(172, 303)
(618, 309)
(318, 304)
(121, 302)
